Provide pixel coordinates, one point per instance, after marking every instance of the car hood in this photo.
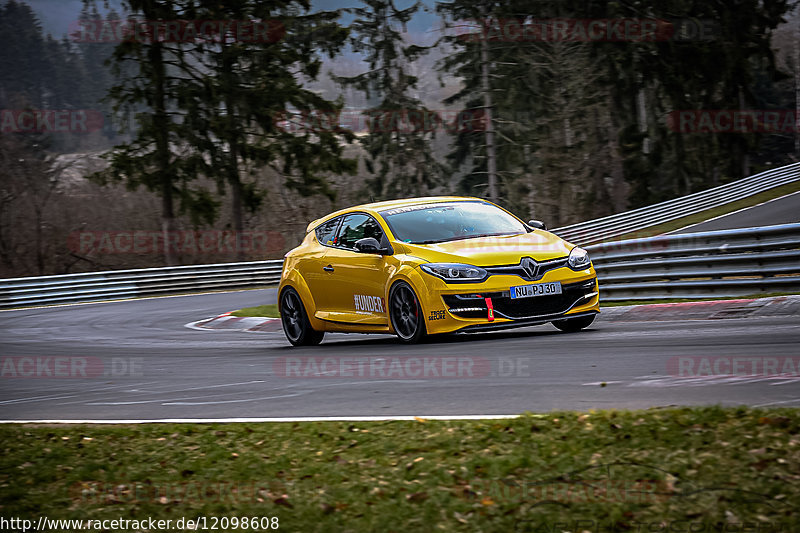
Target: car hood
(501, 250)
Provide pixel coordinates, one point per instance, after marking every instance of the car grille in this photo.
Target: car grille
(474, 305)
(517, 270)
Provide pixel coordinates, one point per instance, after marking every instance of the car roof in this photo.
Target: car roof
(376, 207)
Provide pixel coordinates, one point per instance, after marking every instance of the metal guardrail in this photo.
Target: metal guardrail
(709, 264)
(121, 284)
(612, 226)
(694, 265)
(666, 266)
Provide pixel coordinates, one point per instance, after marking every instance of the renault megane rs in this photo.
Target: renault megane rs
(423, 266)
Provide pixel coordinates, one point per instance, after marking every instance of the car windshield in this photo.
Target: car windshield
(432, 223)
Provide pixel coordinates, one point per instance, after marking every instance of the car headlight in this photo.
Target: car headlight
(579, 259)
(455, 272)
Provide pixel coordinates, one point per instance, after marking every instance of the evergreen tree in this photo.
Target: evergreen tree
(400, 126)
(95, 57)
(237, 89)
(148, 91)
(23, 61)
(597, 110)
(482, 65)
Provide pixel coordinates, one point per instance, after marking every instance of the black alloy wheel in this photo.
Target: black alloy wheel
(295, 320)
(406, 313)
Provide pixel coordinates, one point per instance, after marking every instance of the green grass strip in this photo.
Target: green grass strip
(269, 311)
(711, 467)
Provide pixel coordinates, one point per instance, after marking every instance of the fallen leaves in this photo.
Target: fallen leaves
(283, 500)
(780, 421)
(410, 465)
(416, 497)
(337, 473)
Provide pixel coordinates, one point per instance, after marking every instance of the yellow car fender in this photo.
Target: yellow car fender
(411, 275)
(293, 279)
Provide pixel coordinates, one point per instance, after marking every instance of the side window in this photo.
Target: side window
(327, 231)
(358, 226)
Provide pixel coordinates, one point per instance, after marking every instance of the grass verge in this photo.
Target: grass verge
(561, 471)
(750, 201)
(269, 311)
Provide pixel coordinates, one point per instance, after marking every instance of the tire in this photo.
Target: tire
(295, 322)
(571, 325)
(406, 313)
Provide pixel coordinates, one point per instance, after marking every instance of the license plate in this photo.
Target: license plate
(538, 289)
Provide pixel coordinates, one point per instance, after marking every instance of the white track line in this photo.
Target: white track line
(272, 419)
(264, 320)
(777, 403)
(733, 212)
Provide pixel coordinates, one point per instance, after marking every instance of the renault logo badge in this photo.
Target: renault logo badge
(530, 266)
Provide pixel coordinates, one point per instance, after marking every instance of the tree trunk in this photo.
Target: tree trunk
(39, 251)
(236, 213)
(161, 123)
(491, 156)
(744, 156)
(797, 91)
(233, 161)
(168, 225)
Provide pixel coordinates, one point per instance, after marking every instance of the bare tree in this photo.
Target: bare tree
(568, 133)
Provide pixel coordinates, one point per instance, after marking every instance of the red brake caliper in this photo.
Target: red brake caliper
(490, 309)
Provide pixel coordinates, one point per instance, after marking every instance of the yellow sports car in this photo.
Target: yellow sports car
(424, 266)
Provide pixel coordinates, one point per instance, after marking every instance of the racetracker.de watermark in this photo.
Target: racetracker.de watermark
(50, 120)
(633, 30)
(400, 367)
(189, 242)
(733, 121)
(740, 366)
(176, 31)
(76, 367)
(381, 121)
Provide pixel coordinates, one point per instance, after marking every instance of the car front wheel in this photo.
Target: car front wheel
(571, 325)
(406, 313)
(295, 320)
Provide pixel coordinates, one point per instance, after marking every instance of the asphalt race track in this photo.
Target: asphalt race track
(783, 210)
(153, 367)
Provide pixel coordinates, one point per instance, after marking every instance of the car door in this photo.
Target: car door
(315, 270)
(357, 280)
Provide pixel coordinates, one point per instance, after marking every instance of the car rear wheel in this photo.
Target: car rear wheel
(406, 313)
(295, 320)
(571, 325)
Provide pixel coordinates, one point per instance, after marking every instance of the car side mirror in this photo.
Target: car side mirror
(538, 224)
(369, 245)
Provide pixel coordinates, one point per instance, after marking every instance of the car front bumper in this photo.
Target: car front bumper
(465, 307)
